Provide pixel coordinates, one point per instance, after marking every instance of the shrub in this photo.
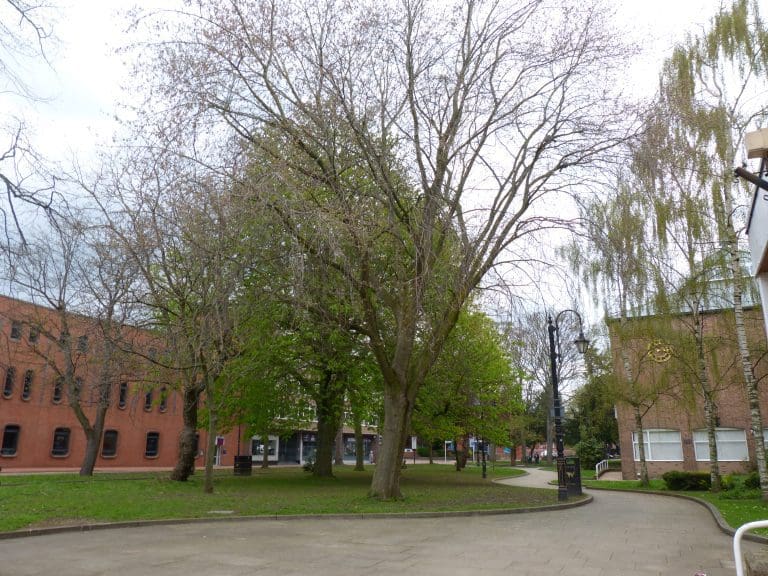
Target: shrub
(590, 451)
(679, 480)
(752, 480)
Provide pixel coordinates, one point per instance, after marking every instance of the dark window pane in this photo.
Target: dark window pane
(148, 400)
(58, 385)
(60, 442)
(10, 440)
(109, 444)
(15, 330)
(163, 399)
(10, 377)
(26, 390)
(122, 398)
(34, 335)
(82, 344)
(153, 444)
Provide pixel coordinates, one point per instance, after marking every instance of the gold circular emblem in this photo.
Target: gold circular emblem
(659, 351)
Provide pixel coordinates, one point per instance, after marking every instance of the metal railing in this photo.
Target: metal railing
(737, 543)
(601, 467)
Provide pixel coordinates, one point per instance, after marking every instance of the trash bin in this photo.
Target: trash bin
(573, 475)
(243, 465)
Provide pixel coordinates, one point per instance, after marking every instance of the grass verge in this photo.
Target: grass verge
(56, 500)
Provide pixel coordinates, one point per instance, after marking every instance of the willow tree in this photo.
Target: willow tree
(613, 260)
(419, 122)
(707, 97)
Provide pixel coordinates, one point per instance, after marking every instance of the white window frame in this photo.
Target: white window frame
(652, 438)
(737, 436)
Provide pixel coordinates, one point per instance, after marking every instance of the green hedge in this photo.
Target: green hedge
(679, 480)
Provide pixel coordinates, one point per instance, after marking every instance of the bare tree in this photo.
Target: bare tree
(178, 225)
(81, 282)
(24, 177)
(421, 135)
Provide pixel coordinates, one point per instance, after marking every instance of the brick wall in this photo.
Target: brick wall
(678, 409)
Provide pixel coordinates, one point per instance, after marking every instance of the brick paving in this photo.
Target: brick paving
(617, 534)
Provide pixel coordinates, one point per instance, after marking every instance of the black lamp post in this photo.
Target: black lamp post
(554, 353)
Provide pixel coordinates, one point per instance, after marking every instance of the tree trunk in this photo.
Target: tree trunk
(185, 463)
(328, 416)
(211, 451)
(338, 458)
(710, 410)
(385, 484)
(644, 481)
(359, 446)
(431, 452)
(750, 382)
(710, 415)
(93, 437)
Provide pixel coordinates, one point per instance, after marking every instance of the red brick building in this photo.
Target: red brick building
(38, 426)
(674, 431)
(39, 429)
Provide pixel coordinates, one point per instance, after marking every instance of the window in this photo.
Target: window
(34, 335)
(82, 344)
(10, 377)
(731, 445)
(163, 399)
(64, 338)
(15, 330)
(78, 387)
(148, 400)
(58, 385)
(60, 442)
(153, 445)
(10, 440)
(109, 444)
(122, 397)
(660, 445)
(26, 389)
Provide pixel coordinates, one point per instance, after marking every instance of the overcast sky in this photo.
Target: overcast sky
(87, 75)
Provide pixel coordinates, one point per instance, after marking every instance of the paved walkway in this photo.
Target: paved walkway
(618, 534)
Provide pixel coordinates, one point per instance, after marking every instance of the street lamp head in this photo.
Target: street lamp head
(581, 342)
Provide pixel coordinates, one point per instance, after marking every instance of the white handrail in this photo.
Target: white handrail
(737, 543)
(600, 467)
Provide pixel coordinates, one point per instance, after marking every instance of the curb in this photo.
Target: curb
(718, 518)
(269, 518)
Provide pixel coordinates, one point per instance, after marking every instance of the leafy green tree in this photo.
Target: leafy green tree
(472, 388)
(613, 260)
(393, 115)
(591, 412)
(706, 103)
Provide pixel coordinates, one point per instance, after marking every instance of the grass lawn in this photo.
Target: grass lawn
(63, 499)
(736, 506)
